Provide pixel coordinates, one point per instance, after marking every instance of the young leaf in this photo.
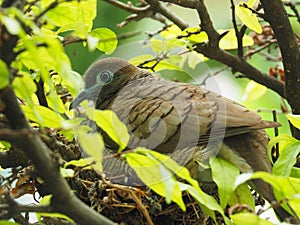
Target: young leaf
(224, 174)
(4, 74)
(289, 149)
(249, 219)
(109, 122)
(6, 222)
(284, 188)
(229, 41)
(107, 40)
(45, 117)
(248, 18)
(254, 91)
(242, 195)
(93, 145)
(294, 119)
(155, 175)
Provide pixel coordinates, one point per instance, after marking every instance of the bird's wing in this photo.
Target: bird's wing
(166, 115)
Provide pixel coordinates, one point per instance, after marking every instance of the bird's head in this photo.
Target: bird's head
(104, 78)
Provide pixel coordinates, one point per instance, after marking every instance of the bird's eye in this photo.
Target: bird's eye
(105, 77)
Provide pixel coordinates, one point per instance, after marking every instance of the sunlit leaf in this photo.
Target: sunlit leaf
(84, 162)
(157, 45)
(107, 40)
(229, 41)
(93, 145)
(248, 18)
(25, 89)
(109, 122)
(294, 119)
(171, 32)
(289, 149)
(4, 74)
(45, 117)
(6, 222)
(194, 58)
(242, 195)
(67, 172)
(12, 25)
(194, 35)
(155, 175)
(224, 174)
(249, 219)
(285, 188)
(254, 91)
(72, 15)
(167, 65)
(141, 59)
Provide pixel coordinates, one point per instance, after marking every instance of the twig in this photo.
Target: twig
(293, 8)
(156, 6)
(141, 207)
(128, 7)
(238, 35)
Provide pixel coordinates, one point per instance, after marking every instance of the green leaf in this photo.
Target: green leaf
(25, 89)
(171, 32)
(4, 74)
(242, 195)
(254, 91)
(167, 65)
(109, 122)
(45, 117)
(248, 18)
(289, 149)
(46, 200)
(12, 25)
(294, 119)
(149, 166)
(6, 222)
(249, 219)
(84, 162)
(141, 59)
(194, 58)
(72, 15)
(104, 39)
(229, 41)
(157, 45)
(285, 188)
(67, 172)
(155, 175)
(93, 145)
(192, 34)
(224, 174)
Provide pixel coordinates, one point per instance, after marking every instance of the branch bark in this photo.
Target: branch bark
(276, 15)
(63, 199)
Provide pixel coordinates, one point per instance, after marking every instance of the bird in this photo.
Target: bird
(188, 122)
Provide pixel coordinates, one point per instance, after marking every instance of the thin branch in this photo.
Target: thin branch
(238, 35)
(128, 7)
(156, 6)
(243, 67)
(294, 9)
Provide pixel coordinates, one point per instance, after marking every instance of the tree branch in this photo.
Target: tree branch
(212, 50)
(276, 15)
(63, 199)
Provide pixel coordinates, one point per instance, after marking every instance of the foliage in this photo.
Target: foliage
(41, 75)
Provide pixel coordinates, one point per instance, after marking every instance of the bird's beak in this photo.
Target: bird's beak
(86, 94)
(76, 101)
